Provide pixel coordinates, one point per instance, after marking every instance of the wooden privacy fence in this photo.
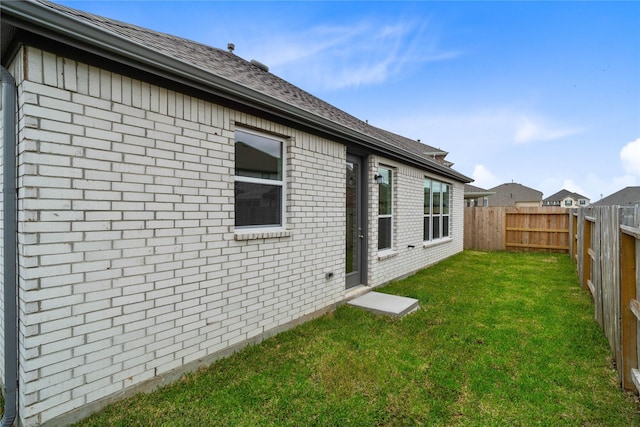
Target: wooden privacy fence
(517, 229)
(606, 248)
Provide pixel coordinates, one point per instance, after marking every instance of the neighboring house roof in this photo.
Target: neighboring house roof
(215, 71)
(625, 197)
(471, 192)
(511, 193)
(563, 194)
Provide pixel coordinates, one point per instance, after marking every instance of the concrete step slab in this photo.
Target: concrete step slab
(380, 303)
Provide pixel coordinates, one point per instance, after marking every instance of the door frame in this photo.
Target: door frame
(360, 278)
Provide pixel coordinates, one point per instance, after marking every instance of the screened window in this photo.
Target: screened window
(259, 180)
(385, 208)
(437, 210)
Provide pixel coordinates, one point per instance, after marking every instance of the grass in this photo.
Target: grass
(501, 339)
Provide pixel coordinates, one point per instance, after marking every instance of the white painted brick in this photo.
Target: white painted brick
(37, 111)
(86, 328)
(98, 389)
(44, 405)
(60, 105)
(48, 359)
(150, 275)
(62, 408)
(62, 323)
(56, 346)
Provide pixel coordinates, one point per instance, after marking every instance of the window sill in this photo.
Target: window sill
(387, 253)
(261, 234)
(437, 242)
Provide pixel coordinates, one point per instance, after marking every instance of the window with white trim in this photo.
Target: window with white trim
(437, 210)
(259, 180)
(385, 208)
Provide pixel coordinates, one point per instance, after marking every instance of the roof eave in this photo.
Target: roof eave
(478, 194)
(50, 23)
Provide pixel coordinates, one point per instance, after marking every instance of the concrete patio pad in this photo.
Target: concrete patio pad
(391, 305)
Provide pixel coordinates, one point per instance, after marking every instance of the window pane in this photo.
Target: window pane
(426, 229)
(258, 156)
(427, 197)
(445, 226)
(353, 238)
(445, 199)
(384, 233)
(436, 198)
(436, 227)
(258, 204)
(384, 192)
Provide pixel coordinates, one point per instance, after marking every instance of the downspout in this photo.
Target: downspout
(9, 139)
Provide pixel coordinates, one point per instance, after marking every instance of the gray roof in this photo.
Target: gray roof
(563, 194)
(471, 191)
(213, 70)
(625, 197)
(511, 193)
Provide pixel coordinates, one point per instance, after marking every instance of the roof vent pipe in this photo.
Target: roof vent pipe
(231, 47)
(260, 65)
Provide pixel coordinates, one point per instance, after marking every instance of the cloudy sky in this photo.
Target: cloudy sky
(546, 94)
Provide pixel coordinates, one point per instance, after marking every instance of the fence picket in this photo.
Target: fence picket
(607, 255)
(524, 229)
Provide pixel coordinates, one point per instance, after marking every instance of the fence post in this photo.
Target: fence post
(596, 270)
(573, 234)
(586, 256)
(629, 306)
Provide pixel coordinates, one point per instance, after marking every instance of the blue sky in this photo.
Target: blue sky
(546, 94)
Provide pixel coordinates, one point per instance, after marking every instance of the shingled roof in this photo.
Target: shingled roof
(628, 196)
(562, 194)
(213, 69)
(511, 193)
(473, 191)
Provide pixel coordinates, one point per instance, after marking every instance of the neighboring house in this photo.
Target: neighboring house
(566, 199)
(476, 196)
(628, 196)
(514, 194)
(176, 202)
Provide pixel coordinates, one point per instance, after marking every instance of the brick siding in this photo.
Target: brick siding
(408, 253)
(130, 272)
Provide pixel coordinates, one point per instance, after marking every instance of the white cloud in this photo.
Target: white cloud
(486, 128)
(553, 184)
(569, 185)
(630, 156)
(530, 129)
(335, 57)
(484, 178)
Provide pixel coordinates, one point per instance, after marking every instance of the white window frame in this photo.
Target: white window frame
(282, 183)
(391, 196)
(441, 215)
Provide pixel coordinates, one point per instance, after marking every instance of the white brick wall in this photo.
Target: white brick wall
(408, 211)
(129, 266)
(127, 235)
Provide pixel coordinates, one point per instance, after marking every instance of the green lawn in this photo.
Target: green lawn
(500, 339)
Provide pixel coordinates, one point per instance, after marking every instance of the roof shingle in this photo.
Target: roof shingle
(229, 66)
